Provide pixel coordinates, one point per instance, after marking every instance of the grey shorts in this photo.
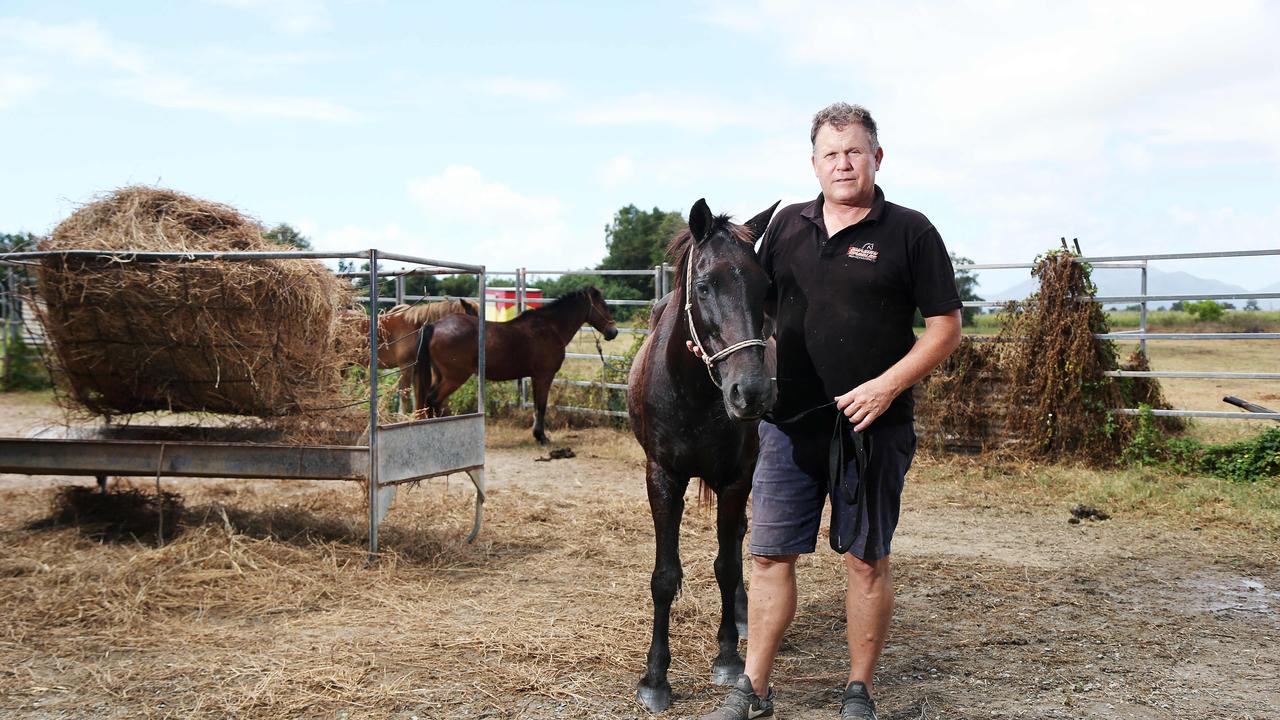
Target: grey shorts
(790, 488)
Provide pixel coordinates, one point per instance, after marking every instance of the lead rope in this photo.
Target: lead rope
(836, 484)
(709, 359)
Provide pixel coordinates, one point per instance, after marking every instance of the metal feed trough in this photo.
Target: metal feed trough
(393, 453)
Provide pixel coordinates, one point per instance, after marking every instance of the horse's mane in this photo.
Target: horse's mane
(563, 299)
(678, 248)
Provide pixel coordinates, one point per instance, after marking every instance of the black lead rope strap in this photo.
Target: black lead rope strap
(837, 487)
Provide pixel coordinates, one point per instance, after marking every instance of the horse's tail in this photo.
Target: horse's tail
(706, 495)
(425, 372)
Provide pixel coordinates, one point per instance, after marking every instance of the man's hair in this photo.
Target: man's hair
(840, 116)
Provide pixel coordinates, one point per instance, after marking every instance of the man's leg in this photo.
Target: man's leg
(771, 605)
(868, 607)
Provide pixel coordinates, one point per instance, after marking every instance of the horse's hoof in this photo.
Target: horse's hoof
(727, 672)
(542, 439)
(655, 700)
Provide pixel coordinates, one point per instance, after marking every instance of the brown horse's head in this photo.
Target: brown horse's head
(723, 286)
(598, 315)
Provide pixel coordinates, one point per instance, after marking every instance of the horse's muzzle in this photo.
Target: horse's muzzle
(748, 398)
(611, 332)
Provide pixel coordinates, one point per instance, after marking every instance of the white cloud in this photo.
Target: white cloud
(617, 170)
(15, 86)
(479, 220)
(1032, 82)
(291, 17)
(131, 75)
(536, 90)
(686, 113)
(180, 93)
(1035, 120)
(84, 42)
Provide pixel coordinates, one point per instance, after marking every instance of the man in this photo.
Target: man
(849, 271)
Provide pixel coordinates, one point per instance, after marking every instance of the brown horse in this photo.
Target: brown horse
(697, 417)
(398, 335)
(532, 345)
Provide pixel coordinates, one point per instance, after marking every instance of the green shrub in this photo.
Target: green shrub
(23, 368)
(1205, 310)
(1244, 461)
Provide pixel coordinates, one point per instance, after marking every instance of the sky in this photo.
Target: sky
(508, 134)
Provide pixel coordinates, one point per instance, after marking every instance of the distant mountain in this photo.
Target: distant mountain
(1270, 304)
(1128, 281)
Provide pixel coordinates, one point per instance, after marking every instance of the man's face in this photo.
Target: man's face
(846, 164)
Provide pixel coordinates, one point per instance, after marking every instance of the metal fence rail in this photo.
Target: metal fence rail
(1140, 263)
(659, 276)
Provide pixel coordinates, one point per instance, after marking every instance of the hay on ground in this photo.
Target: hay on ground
(1040, 392)
(254, 338)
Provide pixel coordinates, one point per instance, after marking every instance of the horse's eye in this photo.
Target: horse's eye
(703, 288)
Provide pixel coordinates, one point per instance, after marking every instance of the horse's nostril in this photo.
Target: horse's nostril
(735, 395)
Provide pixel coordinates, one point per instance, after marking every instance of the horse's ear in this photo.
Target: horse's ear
(700, 220)
(758, 223)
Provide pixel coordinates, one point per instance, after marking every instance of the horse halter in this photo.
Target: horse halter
(709, 359)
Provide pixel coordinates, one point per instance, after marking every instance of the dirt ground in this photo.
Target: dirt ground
(263, 607)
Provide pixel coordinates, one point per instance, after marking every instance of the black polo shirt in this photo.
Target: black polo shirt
(845, 303)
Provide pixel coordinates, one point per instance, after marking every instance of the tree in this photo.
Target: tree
(1251, 305)
(284, 234)
(637, 239)
(1205, 310)
(17, 242)
(967, 284)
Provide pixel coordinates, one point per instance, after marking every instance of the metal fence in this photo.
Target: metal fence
(1141, 263)
(660, 275)
(662, 281)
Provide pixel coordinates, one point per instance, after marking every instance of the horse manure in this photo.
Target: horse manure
(1087, 512)
(557, 454)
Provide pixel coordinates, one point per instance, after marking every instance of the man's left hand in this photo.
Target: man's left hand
(863, 404)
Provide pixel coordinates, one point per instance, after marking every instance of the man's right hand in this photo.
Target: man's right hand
(693, 349)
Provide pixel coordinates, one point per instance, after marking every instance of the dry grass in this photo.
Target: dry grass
(1240, 514)
(259, 609)
(1197, 394)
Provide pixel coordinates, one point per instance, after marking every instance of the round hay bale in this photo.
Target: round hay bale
(254, 337)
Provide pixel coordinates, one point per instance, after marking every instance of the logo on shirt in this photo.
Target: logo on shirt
(866, 252)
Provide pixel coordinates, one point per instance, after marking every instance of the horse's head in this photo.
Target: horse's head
(598, 315)
(723, 293)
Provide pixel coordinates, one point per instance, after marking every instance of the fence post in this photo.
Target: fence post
(6, 311)
(522, 388)
(1142, 312)
(657, 283)
(399, 289)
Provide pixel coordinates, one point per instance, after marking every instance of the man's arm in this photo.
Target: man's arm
(863, 404)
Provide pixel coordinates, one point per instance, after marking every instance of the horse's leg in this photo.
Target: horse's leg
(740, 596)
(730, 507)
(666, 503)
(403, 383)
(439, 394)
(541, 388)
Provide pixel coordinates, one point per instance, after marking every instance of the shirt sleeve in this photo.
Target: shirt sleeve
(933, 277)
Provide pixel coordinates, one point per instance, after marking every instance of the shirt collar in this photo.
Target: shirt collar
(813, 210)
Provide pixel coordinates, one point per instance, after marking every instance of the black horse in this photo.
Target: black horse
(697, 417)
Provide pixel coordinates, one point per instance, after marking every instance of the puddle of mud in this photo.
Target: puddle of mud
(1214, 592)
